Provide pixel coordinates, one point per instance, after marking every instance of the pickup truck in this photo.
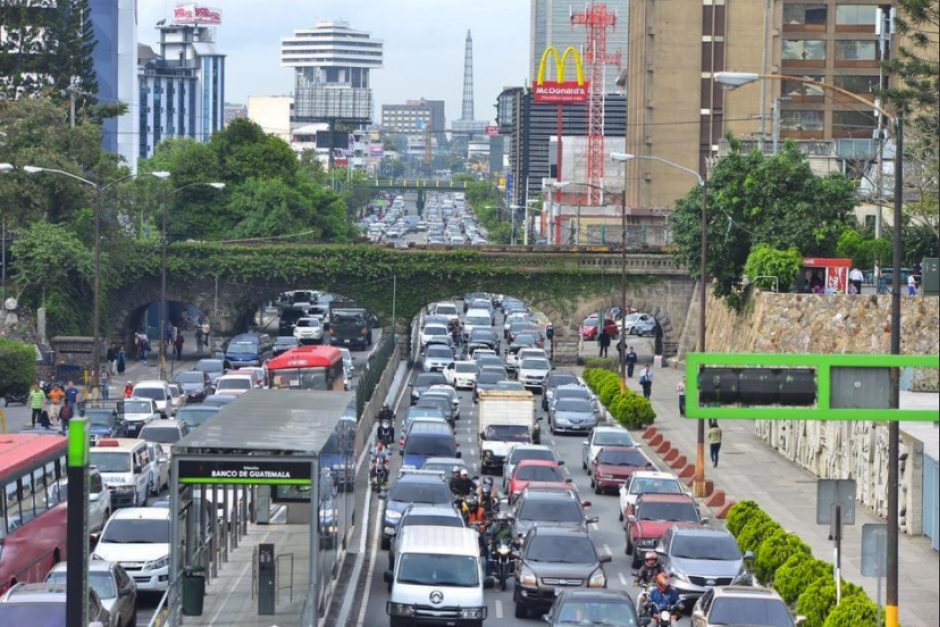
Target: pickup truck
(507, 418)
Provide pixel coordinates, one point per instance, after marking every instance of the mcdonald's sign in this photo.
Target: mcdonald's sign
(561, 91)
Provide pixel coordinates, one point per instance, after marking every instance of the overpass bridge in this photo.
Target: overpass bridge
(420, 187)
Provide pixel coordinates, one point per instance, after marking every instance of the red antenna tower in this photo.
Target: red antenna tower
(597, 20)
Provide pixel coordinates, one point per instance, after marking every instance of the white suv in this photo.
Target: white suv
(309, 331)
(139, 540)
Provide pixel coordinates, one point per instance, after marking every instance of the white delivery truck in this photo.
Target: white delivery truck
(507, 418)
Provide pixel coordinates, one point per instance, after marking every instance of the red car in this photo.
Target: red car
(535, 471)
(589, 329)
(613, 467)
(653, 516)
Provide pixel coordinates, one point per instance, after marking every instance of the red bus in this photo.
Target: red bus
(308, 368)
(33, 516)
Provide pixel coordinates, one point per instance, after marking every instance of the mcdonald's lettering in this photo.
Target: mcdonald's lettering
(560, 91)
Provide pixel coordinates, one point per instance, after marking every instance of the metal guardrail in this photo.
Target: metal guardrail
(290, 585)
(160, 615)
(373, 371)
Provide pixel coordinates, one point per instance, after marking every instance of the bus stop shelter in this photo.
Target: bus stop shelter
(295, 448)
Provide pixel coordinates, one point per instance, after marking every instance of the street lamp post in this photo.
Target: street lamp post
(699, 485)
(164, 314)
(5, 168)
(734, 80)
(557, 187)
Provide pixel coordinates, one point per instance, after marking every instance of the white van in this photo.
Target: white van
(126, 469)
(438, 579)
(159, 392)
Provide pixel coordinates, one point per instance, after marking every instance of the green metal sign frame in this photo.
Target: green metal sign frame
(823, 365)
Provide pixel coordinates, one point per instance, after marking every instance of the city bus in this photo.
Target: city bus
(308, 368)
(33, 516)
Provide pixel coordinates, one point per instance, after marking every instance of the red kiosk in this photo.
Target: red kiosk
(825, 276)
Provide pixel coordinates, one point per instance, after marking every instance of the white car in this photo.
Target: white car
(234, 384)
(513, 318)
(437, 358)
(448, 310)
(139, 412)
(179, 399)
(432, 331)
(309, 331)
(450, 392)
(139, 540)
(647, 483)
(160, 454)
(532, 372)
(462, 374)
(477, 319)
(99, 501)
(532, 353)
(159, 393)
(599, 438)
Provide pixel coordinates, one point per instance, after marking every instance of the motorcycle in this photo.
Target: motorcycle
(503, 562)
(665, 616)
(19, 399)
(380, 476)
(386, 433)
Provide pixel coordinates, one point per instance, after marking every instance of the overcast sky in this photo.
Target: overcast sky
(424, 45)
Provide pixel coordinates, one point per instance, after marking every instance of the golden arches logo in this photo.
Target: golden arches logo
(560, 63)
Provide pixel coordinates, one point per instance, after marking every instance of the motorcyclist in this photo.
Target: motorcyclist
(501, 530)
(665, 597)
(379, 455)
(386, 429)
(652, 568)
(489, 496)
(462, 486)
(386, 413)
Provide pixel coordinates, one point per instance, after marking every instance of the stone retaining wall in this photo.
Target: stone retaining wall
(797, 323)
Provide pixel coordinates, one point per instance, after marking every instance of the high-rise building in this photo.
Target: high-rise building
(551, 27)
(676, 110)
(414, 117)
(467, 125)
(332, 63)
(182, 87)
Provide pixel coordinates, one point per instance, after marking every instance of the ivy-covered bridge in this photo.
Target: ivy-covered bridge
(229, 283)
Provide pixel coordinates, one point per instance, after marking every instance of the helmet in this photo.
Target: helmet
(487, 489)
(472, 502)
(464, 473)
(652, 557)
(663, 581)
(456, 470)
(488, 482)
(504, 517)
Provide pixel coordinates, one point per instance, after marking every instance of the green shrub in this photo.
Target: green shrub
(601, 364)
(855, 611)
(17, 367)
(760, 527)
(609, 390)
(797, 574)
(819, 599)
(740, 514)
(632, 411)
(774, 553)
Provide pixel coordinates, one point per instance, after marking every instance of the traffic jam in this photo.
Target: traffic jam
(505, 496)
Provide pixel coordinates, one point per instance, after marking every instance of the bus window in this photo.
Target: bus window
(14, 520)
(52, 485)
(39, 492)
(3, 523)
(26, 498)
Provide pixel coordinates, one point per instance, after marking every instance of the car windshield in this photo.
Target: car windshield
(161, 435)
(751, 612)
(309, 322)
(424, 412)
(482, 335)
(525, 341)
(540, 474)
(590, 323)
(554, 550)
(452, 571)
(506, 433)
(426, 493)
(100, 418)
(282, 342)
(191, 377)
(102, 583)
(433, 521)
(715, 548)
(239, 383)
(551, 511)
(442, 446)
(210, 365)
(445, 310)
(655, 486)
(613, 438)
(137, 532)
(536, 364)
(575, 406)
(427, 380)
(196, 416)
(562, 379)
(572, 392)
(534, 454)
(33, 614)
(489, 378)
(510, 386)
(634, 459)
(242, 348)
(155, 394)
(467, 368)
(478, 321)
(601, 612)
(111, 462)
(440, 352)
(669, 512)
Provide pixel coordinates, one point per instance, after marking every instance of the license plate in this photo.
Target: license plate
(347, 341)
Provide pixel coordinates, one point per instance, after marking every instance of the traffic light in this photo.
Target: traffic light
(758, 387)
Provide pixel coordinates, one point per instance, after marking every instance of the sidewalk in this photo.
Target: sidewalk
(749, 470)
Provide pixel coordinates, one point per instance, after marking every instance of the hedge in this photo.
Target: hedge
(786, 562)
(628, 408)
(17, 367)
(601, 364)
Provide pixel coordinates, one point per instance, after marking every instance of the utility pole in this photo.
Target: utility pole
(96, 348)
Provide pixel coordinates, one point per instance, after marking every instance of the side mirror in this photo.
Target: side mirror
(138, 470)
(585, 443)
(561, 462)
(749, 556)
(593, 521)
(705, 521)
(698, 615)
(94, 538)
(482, 436)
(540, 419)
(800, 621)
(489, 583)
(459, 455)
(606, 559)
(631, 520)
(569, 480)
(383, 496)
(389, 577)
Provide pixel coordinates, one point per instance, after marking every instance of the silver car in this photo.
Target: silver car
(437, 358)
(572, 415)
(603, 437)
(700, 559)
(115, 588)
(33, 604)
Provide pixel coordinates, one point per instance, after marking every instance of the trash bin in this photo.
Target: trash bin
(194, 591)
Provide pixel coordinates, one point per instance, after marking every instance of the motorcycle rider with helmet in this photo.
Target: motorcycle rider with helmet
(646, 578)
(665, 598)
(379, 457)
(386, 428)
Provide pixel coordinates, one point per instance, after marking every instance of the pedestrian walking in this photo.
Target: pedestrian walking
(632, 359)
(178, 346)
(715, 436)
(104, 379)
(57, 398)
(199, 340)
(112, 359)
(857, 279)
(604, 341)
(129, 390)
(71, 395)
(681, 390)
(65, 416)
(37, 402)
(646, 382)
(121, 361)
(145, 350)
(168, 334)
(912, 285)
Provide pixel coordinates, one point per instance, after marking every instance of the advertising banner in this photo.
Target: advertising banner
(262, 472)
(561, 91)
(196, 14)
(492, 131)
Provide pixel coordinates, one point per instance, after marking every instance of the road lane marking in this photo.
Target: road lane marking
(368, 589)
(234, 588)
(499, 610)
(623, 580)
(609, 552)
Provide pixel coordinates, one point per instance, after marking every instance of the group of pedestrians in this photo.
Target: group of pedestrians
(55, 409)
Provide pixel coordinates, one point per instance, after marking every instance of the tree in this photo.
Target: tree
(765, 261)
(864, 249)
(17, 367)
(918, 92)
(755, 199)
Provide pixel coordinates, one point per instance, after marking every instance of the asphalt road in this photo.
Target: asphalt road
(608, 534)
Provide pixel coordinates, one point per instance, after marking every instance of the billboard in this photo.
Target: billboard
(561, 91)
(196, 14)
(377, 151)
(492, 131)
